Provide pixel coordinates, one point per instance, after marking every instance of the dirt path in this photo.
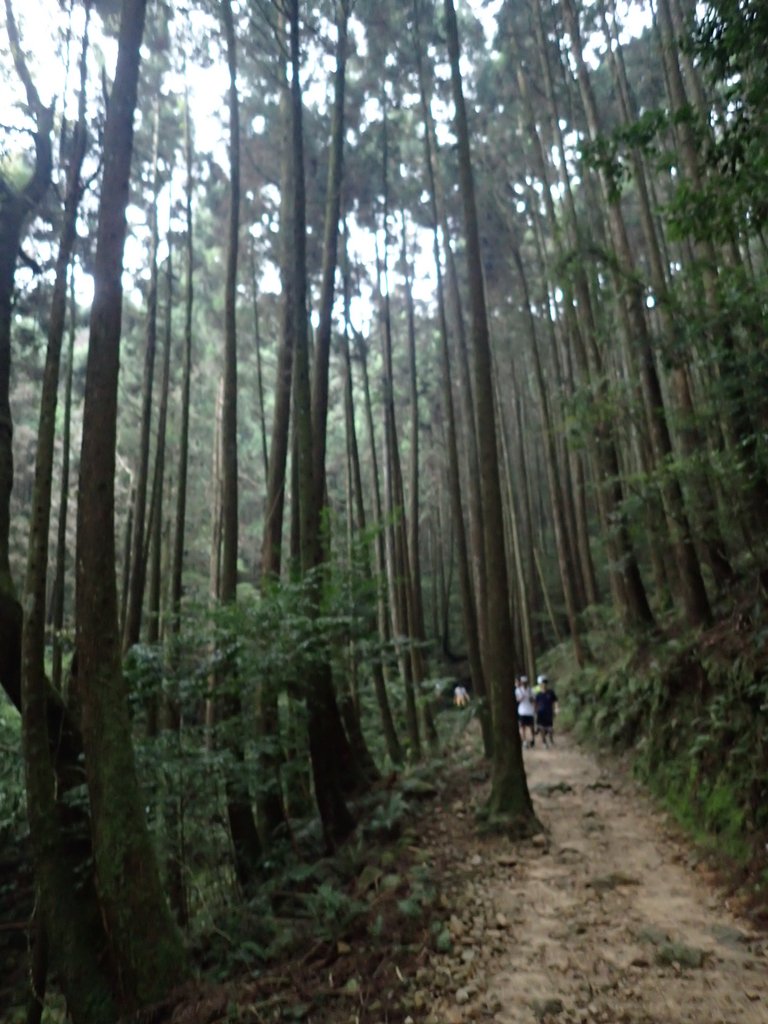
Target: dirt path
(606, 919)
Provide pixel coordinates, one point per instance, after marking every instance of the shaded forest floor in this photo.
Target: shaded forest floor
(608, 917)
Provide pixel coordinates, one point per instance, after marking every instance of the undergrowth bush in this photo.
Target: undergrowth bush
(691, 716)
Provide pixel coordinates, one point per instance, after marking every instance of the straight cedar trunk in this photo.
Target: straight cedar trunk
(385, 635)
(690, 582)
(558, 334)
(564, 555)
(242, 823)
(68, 930)
(177, 890)
(509, 801)
(138, 566)
(691, 444)
(476, 548)
(143, 945)
(627, 586)
(514, 533)
(331, 757)
(357, 511)
(354, 752)
(737, 421)
(257, 340)
(271, 812)
(330, 260)
(158, 483)
(468, 603)
(393, 533)
(17, 206)
(409, 527)
(57, 596)
(177, 561)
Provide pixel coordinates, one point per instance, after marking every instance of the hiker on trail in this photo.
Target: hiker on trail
(536, 692)
(525, 711)
(546, 709)
(460, 695)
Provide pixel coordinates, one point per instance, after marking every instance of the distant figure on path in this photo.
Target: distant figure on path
(525, 711)
(460, 696)
(546, 709)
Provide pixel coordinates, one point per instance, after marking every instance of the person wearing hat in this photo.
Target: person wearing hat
(546, 709)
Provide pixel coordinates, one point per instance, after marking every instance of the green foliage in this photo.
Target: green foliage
(12, 799)
(331, 911)
(691, 715)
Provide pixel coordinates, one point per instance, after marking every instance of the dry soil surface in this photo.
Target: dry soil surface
(608, 917)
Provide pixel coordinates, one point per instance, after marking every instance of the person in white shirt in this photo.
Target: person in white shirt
(525, 711)
(460, 696)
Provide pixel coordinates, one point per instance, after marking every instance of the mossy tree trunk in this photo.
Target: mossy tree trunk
(143, 944)
(68, 926)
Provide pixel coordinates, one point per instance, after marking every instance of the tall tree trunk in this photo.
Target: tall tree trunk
(177, 892)
(67, 920)
(395, 548)
(143, 943)
(242, 824)
(259, 374)
(564, 556)
(177, 562)
(509, 799)
(17, 206)
(271, 813)
(57, 602)
(409, 527)
(690, 441)
(468, 603)
(690, 581)
(158, 483)
(385, 636)
(138, 570)
(627, 585)
(330, 754)
(394, 750)
(738, 423)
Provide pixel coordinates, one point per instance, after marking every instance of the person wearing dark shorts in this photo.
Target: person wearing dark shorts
(546, 709)
(525, 711)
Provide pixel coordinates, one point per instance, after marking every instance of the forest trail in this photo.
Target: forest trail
(607, 918)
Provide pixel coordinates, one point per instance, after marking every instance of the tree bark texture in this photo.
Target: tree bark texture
(144, 946)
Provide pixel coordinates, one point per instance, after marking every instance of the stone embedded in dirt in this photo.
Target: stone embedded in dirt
(456, 926)
(501, 921)
(462, 996)
(640, 961)
(540, 841)
(506, 860)
(550, 788)
(655, 936)
(605, 883)
(476, 861)
(730, 937)
(544, 1008)
(672, 953)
